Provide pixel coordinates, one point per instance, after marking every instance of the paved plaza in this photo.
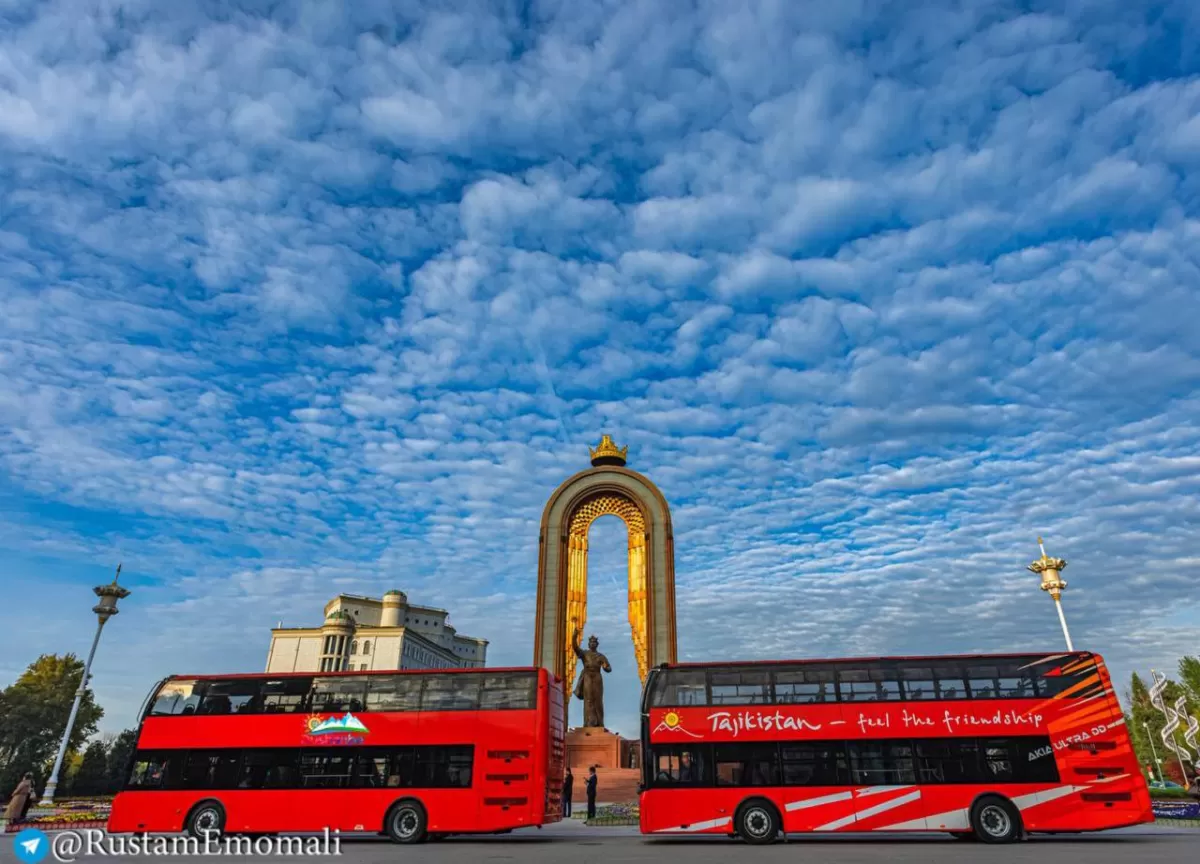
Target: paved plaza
(579, 844)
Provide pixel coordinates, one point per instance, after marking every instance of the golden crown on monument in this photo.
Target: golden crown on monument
(608, 453)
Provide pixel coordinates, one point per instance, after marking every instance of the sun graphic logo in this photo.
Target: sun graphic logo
(672, 722)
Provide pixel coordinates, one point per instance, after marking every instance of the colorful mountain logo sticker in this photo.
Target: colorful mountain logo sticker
(346, 724)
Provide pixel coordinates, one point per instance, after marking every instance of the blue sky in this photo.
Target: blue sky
(331, 301)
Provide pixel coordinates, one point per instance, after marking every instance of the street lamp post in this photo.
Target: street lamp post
(1153, 750)
(1053, 584)
(105, 609)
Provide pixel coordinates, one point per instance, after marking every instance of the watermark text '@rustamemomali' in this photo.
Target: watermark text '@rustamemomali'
(68, 846)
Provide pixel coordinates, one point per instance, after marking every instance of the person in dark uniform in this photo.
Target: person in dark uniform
(591, 792)
(568, 789)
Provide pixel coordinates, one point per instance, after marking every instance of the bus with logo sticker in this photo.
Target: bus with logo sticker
(411, 755)
(983, 747)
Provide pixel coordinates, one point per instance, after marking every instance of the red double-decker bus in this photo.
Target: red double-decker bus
(406, 754)
(985, 747)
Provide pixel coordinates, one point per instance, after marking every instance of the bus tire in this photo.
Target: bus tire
(995, 819)
(757, 821)
(405, 821)
(205, 819)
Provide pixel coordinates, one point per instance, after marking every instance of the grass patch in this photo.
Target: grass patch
(1157, 794)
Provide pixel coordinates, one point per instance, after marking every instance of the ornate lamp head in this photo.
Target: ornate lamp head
(607, 453)
(109, 595)
(1050, 569)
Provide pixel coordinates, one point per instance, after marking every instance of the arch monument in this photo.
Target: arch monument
(607, 488)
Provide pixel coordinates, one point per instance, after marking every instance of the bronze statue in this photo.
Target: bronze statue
(590, 687)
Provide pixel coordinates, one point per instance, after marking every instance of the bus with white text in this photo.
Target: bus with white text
(984, 747)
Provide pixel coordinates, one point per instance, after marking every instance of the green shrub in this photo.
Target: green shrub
(1169, 794)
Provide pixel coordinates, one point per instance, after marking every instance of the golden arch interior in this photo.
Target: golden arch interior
(580, 523)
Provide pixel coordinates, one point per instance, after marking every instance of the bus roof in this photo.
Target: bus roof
(356, 673)
(917, 658)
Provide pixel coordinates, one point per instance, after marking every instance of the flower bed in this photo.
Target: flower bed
(77, 805)
(74, 813)
(615, 814)
(76, 816)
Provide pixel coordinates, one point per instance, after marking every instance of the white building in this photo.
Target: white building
(362, 633)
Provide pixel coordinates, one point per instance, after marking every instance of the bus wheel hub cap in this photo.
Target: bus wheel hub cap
(995, 821)
(756, 822)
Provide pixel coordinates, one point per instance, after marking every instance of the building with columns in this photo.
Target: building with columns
(362, 633)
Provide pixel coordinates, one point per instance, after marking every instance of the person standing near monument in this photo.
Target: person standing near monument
(591, 789)
(568, 790)
(590, 687)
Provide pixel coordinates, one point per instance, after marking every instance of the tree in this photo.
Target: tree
(33, 714)
(119, 751)
(1140, 716)
(66, 775)
(92, 776)
(1189, 675)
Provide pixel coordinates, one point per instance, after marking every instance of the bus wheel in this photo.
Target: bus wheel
(757, 821)
(207, 819)
(406, 822)
(996, 820)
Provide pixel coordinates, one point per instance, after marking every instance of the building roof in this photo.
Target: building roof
(378, 601)
(363, 598)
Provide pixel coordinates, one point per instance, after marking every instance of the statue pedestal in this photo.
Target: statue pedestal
(616, 760)
(594, 745)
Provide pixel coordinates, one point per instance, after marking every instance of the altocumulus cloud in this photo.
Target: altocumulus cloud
(333, 300)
